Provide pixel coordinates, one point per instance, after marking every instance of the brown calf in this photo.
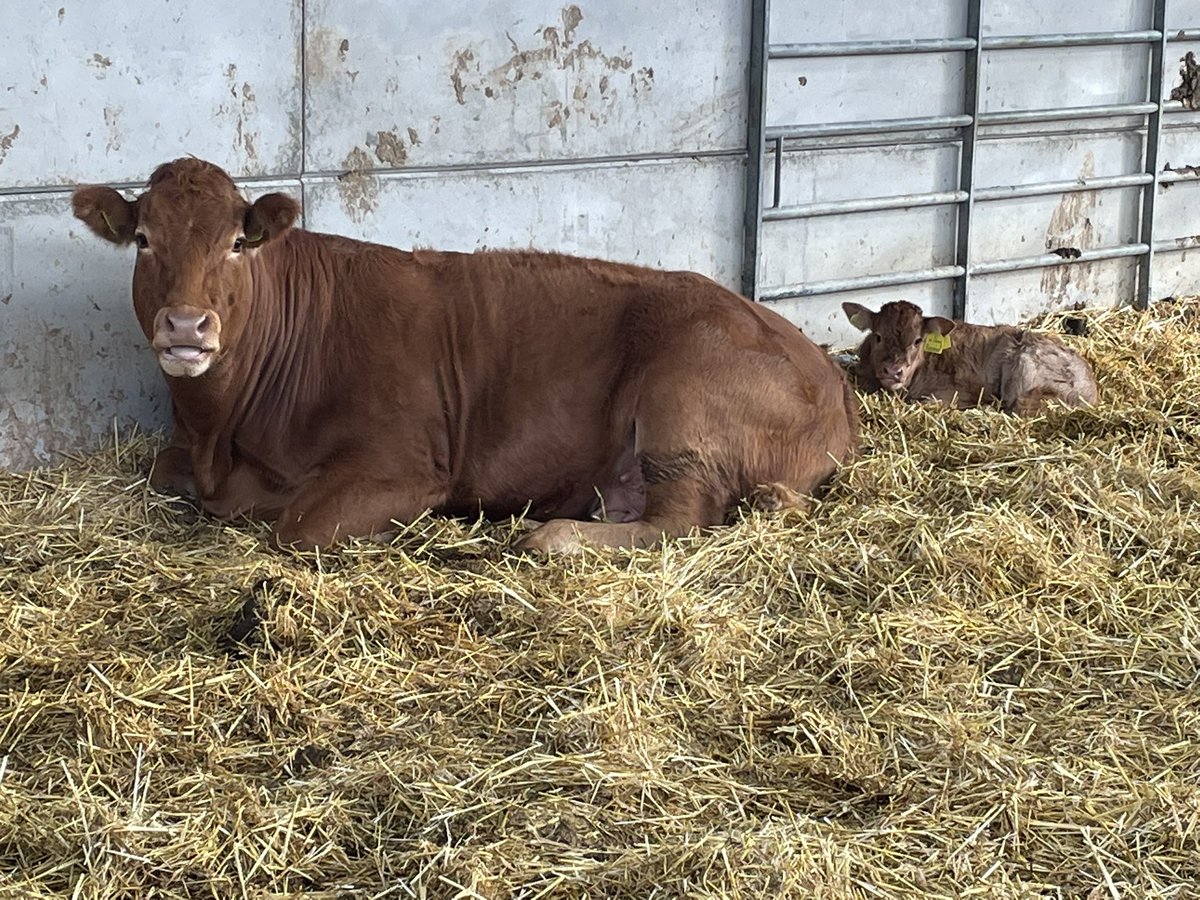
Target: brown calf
(965, 365)
(333, 386)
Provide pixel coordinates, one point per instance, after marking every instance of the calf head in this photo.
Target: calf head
(196, 239)
(897, 344)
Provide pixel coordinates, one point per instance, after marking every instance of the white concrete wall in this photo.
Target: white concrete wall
(612, 129)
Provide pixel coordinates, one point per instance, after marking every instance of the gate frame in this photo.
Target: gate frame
(962, 130)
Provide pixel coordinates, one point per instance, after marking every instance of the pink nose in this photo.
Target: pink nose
(186, 327)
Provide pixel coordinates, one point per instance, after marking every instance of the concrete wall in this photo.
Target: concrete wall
(614, 129)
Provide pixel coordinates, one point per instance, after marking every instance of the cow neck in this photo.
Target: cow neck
(260, 385)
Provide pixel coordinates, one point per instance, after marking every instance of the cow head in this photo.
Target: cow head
(896, 346)
(196, 239)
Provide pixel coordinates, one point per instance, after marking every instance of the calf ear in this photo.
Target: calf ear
(939, 324)
(106, 212)
(270, 216)
(860, 317)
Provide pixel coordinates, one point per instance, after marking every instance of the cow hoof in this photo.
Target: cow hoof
(559, 536)
(775, 497)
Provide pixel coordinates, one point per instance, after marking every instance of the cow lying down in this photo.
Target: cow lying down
(332, 386)
(929, 357)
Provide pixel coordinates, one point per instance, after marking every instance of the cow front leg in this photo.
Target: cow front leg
(335, 509)
(171, 472)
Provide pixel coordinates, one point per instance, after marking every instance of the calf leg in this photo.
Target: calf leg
(673, 508)
(338, 508)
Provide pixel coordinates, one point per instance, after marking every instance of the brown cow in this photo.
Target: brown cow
(334, 386)
(908, 351)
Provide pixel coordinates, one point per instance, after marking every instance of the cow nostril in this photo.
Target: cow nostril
(202, 325)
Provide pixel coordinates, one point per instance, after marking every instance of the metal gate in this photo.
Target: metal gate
(961, 184)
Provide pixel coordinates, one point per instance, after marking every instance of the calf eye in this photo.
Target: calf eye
(878, 338)
(917, 342)
(238, 245)
(142, 242)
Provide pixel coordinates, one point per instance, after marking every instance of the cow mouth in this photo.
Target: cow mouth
(186, 352)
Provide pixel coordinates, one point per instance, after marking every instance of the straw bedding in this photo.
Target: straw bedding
(970, 671)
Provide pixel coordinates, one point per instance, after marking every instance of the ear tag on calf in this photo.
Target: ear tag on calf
(857, 321)
(108, 222)
(936, 342)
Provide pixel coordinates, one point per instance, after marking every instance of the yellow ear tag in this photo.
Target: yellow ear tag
(108, 222)
(936, 342)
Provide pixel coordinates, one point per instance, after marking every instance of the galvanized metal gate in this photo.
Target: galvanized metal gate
(768, 200)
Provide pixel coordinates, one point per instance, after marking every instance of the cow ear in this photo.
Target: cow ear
(106, 212)
(860, 317)
(939, 325)
(270, 216)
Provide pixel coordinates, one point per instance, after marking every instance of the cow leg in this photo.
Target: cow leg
(171, 472)
(335, 509)
(673, 508)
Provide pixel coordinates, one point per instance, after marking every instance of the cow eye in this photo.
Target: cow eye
(917, 342)
(142, 242)
(238, 245)
(878, 338)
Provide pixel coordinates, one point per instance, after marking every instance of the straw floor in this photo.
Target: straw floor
(971, 671)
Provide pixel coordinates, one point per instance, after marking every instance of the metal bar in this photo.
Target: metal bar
(1154, 92)
(861, 283)
(869, 48)
(972, 69)
(755, 133)
(866, 204)
(1066, 39)
(1066, 112)
(866, 126)
(1184, 34)
(776, 188)
(1013, 191)
(1187, 242)
(1044, 260)
(1174, 177)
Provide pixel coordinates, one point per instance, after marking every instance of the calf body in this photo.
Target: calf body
(334, 386)
(965, 365)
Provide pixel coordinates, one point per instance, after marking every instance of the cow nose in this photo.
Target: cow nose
(188, 324)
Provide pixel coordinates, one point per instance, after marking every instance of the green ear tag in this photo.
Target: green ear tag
(936, 342)
(856, 320)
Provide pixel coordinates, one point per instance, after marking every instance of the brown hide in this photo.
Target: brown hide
(1002, 364)
(333, 386)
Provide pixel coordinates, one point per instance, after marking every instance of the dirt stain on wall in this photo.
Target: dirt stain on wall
(596, 80)
(1071, 228)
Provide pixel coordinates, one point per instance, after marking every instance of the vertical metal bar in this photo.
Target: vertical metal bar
(776, 187)
(972, 67)
(1154, 90)
(756, 116)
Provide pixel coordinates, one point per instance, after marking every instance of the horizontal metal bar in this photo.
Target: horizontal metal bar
(1066, 112)
(880, 126)
(1013, 191)
(866, 126)
(1077, 39)
(861, 283)
(1187, 242)
(1173, 177)
(866, 204)
(1176, 106)
(1053, 259)
(869, 48)
(1183, 34)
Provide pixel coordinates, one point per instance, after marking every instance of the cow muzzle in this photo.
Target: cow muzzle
(187, 340)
